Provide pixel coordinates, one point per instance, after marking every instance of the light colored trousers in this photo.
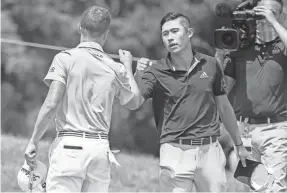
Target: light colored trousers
(79, 170)
(269, 146)
(183, 167)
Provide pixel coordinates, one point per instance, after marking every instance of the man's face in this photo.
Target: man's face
(175, 36)
(272, 5)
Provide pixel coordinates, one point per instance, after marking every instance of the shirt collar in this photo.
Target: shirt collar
(168, 66)
(94, 45)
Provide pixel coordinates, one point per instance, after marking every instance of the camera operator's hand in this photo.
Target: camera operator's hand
(242, 154)
(265, 12)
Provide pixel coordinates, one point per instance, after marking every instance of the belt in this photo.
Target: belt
(83, 134)
(263, 120)
(198, 141)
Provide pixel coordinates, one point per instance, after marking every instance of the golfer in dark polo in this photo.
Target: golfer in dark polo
(260, 79)
(188, 95)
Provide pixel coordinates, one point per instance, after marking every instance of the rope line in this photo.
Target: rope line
(50, 47)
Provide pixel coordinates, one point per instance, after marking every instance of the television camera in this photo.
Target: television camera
(242, 33)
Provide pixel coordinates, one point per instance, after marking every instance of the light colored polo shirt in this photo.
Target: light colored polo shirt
(92, 81)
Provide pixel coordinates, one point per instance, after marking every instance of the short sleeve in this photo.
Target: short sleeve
(219, 83)
(148, 83)
(58, 69)
(229, 66)
(124, 92)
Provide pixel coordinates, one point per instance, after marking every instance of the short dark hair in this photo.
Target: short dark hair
(172, 16)
(96, 20)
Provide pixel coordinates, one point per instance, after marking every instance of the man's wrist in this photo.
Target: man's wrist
(33, 140)
(275, 23)
(128, 63)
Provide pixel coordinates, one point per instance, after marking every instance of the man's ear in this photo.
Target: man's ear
(190, 32)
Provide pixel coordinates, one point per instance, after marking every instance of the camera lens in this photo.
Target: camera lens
(228, 39)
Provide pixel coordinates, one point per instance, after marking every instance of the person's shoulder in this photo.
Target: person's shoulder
(206, 59)
(204, 56)
(68, 51)
(64, 57)
(156, 65)
(64, 53)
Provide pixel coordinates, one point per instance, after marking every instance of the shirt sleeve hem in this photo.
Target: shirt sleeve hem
(48, 80)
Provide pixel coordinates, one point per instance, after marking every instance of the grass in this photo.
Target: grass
(138, 173)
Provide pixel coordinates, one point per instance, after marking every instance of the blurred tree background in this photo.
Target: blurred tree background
(135, 27)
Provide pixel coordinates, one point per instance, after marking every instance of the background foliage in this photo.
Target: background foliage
(135, 27)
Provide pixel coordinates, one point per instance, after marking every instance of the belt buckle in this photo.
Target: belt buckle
(196, 142)
(84, 135)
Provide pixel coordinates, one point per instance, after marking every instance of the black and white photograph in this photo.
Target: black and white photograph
(144, 96)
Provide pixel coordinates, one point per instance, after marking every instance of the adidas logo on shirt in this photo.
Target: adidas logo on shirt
(203, 75)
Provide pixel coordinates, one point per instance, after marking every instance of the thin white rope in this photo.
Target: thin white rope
(50, 47)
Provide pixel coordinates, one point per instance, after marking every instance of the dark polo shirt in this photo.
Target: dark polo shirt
(260, 73)
(184, 102)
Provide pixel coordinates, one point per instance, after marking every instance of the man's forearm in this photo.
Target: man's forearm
(138, 77)
(281, 31)
(137, 100)
(229, 121)
(45, 116)
(133, 83)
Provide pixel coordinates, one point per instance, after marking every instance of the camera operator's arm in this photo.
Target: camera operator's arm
(270, 17)
(281, 31)
(229, 72)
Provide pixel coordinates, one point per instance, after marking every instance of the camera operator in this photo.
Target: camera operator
(259, 76)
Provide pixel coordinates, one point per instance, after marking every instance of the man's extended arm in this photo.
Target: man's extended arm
(227, 115)
(48, 110)
(229, 121)
(145, 79)
(128, 91)
(46, 114)
(228, 118)
(56, 80)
